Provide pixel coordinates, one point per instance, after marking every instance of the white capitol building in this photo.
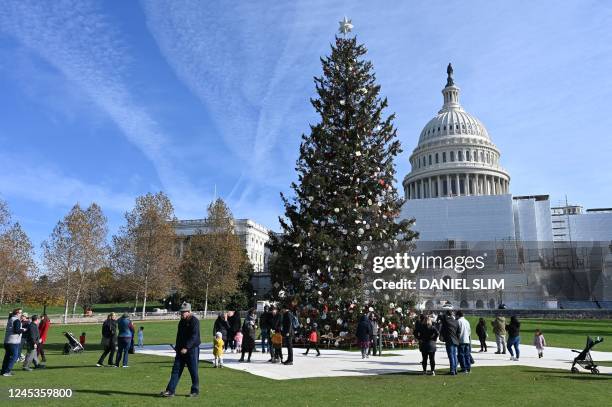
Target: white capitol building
(455, 155)
(459, 195)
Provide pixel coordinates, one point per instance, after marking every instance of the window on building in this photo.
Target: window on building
(429, 159)
(452, 156)
(444, 157)
(460, 155)
(467, 156)
(437, 161)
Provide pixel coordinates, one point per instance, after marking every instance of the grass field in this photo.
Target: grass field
(148, 375)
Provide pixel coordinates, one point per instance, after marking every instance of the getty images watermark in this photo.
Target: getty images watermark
(405, 262)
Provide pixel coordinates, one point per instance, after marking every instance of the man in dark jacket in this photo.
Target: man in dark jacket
(235, 325)
(364, 335)
(375, 338)
(265, 322)
(288, 334)
(450, 332)
(109, 339)
(187, 352)
(222, 326)
(32, 340)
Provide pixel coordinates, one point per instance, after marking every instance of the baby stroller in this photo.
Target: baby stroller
(73, 346)
(584, 358)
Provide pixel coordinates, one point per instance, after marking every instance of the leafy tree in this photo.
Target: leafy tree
(144, 251)
(345, 204)
(214, 265)
(74, 251)
(17, 266)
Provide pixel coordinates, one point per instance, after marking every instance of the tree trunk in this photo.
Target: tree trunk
(206, 301)
(66, 310)
(76, 300)
(136, 303)
(144, 298)
(2, 294)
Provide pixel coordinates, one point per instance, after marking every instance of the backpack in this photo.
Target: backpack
(295, 321)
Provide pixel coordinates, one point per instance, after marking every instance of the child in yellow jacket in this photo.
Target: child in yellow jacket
(218, 350)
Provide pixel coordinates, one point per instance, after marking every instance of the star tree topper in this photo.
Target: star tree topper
(346, 26)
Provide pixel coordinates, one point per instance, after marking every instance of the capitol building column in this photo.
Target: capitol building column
(458, 183)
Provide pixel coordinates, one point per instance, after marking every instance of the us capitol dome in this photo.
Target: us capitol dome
(455, 155)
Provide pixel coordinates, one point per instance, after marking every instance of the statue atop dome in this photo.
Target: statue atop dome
(449, 79)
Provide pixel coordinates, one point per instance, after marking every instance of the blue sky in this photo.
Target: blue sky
(105, 101)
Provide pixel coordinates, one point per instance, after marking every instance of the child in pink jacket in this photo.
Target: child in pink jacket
(539, 342)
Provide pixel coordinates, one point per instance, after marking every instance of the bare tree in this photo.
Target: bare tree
(144, 249)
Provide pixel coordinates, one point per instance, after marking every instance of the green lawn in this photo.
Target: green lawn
(560, 333)
(147, 375)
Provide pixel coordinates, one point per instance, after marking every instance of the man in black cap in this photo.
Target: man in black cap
(187, 352)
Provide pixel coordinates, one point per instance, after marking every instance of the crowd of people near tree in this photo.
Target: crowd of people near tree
(279, 327)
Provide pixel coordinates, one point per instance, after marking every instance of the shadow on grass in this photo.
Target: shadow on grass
(116, 393)
(562, 374)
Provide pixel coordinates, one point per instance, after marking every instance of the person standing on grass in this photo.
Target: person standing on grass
(125, 329)
(539, 342)
(481, 331)
(465, 343)
(514, 337)
(43, 328)
(428, 335)
(12, 342)
(288, 331)
(499, 329)
(109, 340)
(450, 334)
(25, 323)
(31, 344)
(364, 335)
(133, 333)
(187, 352)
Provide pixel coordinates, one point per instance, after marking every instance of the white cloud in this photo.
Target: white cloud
(75, 38)
(249, 76)
(26, 178)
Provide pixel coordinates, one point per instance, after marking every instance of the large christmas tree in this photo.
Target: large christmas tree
(345, 205)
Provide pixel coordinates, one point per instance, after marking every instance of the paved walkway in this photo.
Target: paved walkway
(333, 362)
